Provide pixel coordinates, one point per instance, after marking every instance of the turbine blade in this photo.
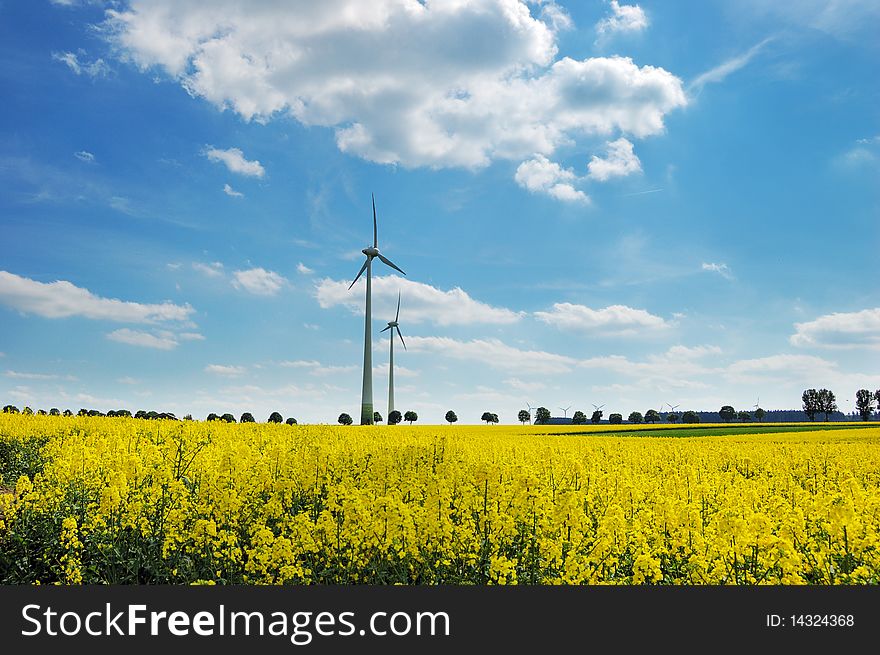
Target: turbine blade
(375, 229)
(397, 315)
(388, 262)
(386, 328)
(361, 272)
(401, 338)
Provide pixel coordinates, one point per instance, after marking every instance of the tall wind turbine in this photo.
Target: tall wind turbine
(371, 252)
(565, 410)
(392, 325)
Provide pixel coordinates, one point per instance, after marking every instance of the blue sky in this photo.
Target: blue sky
(594, 203)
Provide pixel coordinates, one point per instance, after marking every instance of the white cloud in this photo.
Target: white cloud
(494, 354)
(782, 368)
(163, 341)
(232, 193)
(722, 269)
(300, 363)
(190, 336)
(128, 380)
(97, 68)
(438, 84)
(399, 371)
(719, 73)
(84, 155)
(214, 269)
(61, 299)
(420, 302)
(258, 281)
(325, 371)
(235, 161)
(18, 375)
(623, 18)
(524, 385)
(303, 269)
(226, 371)
(842, 330)
(614, 320)
(620, 162)
(540, 175)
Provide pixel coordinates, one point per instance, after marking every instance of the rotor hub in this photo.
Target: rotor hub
(371, 252)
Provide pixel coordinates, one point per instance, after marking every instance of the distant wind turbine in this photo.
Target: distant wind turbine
(392, 325)
(565, 410)
(371, 252)
(758, 403)
(598, 407)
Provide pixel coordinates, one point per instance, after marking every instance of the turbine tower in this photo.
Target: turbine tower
(392, 325)
(371, 252)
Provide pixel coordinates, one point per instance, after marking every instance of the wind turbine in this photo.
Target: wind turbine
(672, 407)
(371, 252)
(757, 403)
(598, 407)
(565, 410)
(392, 325)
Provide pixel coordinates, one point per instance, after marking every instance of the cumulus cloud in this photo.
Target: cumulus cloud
(235, 161)
(623, 18)
(232, 193)
(620, 162)
(303, 269)
(437, 84)
(62, 299)
(540, 175)
(97, 68)
(842, 330)
(722, 269)
(258, 281)
(494, 354)
(225, 371)
(613, 320)
(164, 341)
(214, 269)
(420, 302)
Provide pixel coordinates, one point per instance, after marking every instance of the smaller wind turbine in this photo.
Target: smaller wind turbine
(565, 410)
(598, 407)
(672, 407)
(757, 403)
(393, 325)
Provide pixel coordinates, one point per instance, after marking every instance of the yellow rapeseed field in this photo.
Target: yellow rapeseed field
(120, 500)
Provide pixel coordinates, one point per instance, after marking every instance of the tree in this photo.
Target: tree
(275, 417)
(344, 419)
(877, 398)
(727, 413)
(578, 418)
(123, 412)
(827, 402)
(672, 417)
(41, 412)
(759, 414)
(597, 416)
(523, 416)
(377, 417)
(486, 417)
(864, 403)
(229, 418)
(744, 416)
(652, 416)
(27, 411)
(211, 417)
(810, 398)
(67, 412)
(690, 416)
(54, 412)
(247, 417)
(291, 421)
(394, 417)
(542, 415)
(410, 416)
(615, 419)
(451, 417)
(635, 417)
(493, 418)
(10, 409)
